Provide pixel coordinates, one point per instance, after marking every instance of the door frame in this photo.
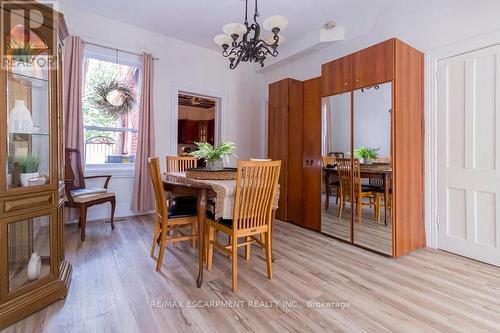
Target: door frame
(199, 92)
(430, 177)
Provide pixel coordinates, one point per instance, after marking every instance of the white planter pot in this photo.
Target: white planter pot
(34, 266)
(27, 176)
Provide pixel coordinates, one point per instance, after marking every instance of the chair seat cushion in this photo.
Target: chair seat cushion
(93, 197)
(335, 183)
(226, 222)
(184, 201)
(178, 211)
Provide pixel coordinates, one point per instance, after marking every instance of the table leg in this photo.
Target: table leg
(386, 196)
(202, 211)
(327, 188)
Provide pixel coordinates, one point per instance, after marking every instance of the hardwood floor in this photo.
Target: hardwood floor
(114, 284)
(369, 233)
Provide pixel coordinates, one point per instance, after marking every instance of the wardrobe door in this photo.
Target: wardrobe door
(278, 138)
(372, 141)
(373, 65)
(294, 154)
(336, 217)
(336, 76)
(311, 148)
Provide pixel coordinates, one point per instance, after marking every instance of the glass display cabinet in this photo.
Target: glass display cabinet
(33, 272)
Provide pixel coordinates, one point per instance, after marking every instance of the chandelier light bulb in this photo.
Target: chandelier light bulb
(231, 29)
(223, 40)
(275, 21)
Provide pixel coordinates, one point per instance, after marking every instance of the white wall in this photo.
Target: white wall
(181, 65)
(372, 120)
(424, 24)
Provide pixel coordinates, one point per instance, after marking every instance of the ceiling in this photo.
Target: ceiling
(425, 23)
(198, 21)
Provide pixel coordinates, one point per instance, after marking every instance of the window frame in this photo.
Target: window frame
(120, 170)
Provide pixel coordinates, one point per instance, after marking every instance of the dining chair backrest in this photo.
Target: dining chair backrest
(161, 200)
(382, 160)
(181, 163)
(344, 168)
(337, 154)
(379, 160)
(329, 160)
(256, 189)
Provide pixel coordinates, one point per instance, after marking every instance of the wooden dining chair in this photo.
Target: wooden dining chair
(181, 163)
(334, 184)
(167, 216)
(344, 167)
(79, 196)
(256, 187)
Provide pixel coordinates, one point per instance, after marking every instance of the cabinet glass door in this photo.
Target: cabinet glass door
(28, 108)
(337, 169)
(372, 121)
(28, 251)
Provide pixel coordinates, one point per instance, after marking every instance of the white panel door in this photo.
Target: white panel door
(469, 155)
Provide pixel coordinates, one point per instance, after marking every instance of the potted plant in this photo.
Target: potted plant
(366, 154)
(213, 156)
(29, 168)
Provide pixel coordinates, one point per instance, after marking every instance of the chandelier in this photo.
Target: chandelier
(241, 42)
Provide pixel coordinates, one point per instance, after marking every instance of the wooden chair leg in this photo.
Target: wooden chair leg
(341, 208)
(211, 232)
(247, 248)
(83, 221)
(327, 200)
(155, 237)
(163, 244)
(113, 208)
(269, 255)
(359, 208)
(193, 233)
(337, 196)
(234, 254)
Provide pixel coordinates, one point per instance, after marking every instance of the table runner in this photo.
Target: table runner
(225, 190)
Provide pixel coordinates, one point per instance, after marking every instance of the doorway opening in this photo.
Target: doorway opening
(196, 122)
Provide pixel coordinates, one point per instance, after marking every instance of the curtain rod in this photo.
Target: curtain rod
(115, 49)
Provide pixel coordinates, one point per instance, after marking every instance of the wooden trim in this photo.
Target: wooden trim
(409, 233)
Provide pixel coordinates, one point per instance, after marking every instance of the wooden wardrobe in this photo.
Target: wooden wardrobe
(294, 130)
(295, 135)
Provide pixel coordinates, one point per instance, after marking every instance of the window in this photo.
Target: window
(110, 106)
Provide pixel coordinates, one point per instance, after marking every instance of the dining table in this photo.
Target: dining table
(219, 193)
(367, 171)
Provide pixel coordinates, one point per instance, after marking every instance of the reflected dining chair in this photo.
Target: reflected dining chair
(256, 189)
(360, 191)
(167, 216)
(334, 185)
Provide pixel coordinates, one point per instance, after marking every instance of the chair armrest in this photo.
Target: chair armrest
(96, 177)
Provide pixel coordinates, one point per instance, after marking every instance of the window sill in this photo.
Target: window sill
(117, 171)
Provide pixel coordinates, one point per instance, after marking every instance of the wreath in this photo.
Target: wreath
(114, 98)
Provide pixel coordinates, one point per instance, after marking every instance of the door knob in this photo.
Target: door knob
(345, 83)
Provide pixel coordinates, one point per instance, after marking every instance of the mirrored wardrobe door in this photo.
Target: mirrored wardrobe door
(336, 214)
(372, 123)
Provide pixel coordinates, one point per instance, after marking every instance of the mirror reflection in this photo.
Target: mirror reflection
(336, 152)
(372, 167)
